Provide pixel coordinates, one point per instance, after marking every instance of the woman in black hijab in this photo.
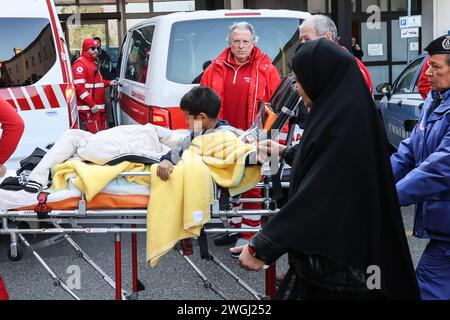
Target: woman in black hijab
(342, 225)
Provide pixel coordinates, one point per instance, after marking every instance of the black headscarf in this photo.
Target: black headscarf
(343, 202)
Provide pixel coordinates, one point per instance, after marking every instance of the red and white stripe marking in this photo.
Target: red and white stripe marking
(35, 97)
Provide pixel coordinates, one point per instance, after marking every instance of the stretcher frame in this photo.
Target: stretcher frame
(116, 219)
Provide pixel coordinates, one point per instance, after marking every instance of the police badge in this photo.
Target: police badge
(446, 43)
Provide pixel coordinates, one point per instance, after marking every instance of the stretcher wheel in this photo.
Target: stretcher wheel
(19, 254)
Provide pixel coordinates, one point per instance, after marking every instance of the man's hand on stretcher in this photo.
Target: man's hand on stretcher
(267, 148)
(164, 170)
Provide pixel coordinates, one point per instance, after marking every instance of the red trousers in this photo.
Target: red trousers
(93, 122)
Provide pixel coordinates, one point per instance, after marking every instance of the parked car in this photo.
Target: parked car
(162, 58)
(401, 105)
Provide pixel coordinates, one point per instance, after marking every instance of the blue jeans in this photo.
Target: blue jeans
(433, 271)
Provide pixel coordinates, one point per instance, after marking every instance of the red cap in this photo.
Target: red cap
(89, 43)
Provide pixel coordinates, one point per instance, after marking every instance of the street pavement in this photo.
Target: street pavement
(171, 279)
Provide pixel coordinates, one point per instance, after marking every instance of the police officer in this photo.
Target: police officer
(90, 88)
(422, 171)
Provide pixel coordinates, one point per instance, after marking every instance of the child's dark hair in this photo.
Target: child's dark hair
(201, 99)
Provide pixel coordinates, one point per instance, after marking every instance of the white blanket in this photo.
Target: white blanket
(148, 141)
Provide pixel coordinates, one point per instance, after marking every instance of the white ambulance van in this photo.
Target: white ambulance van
(162, 58)
(35, 73)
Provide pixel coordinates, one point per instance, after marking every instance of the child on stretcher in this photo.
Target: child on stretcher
(201, 107)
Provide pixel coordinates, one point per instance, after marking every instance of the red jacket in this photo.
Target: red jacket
(264, 79)
(365, 74)
(424, 84)
(89, 84)
(12, 126)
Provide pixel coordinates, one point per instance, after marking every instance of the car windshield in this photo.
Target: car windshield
(192, 43)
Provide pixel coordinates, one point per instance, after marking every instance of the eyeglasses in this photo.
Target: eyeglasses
(237, 43)
(95, 48)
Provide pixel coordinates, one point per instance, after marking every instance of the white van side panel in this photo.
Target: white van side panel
(25, 9)
(43, 126)
(168, 93)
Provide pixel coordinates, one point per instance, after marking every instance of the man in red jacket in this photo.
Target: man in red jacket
(12, 126)
(12, 130)
(90, 88)
(242, 75)
(424, 84)
(320, 26)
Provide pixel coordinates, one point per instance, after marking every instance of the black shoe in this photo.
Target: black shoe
(226, 239)
(33, 187)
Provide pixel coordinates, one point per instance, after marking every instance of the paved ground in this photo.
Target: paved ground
(172, 278)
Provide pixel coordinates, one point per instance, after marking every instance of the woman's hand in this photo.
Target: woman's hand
(268, 149)
(246, 260)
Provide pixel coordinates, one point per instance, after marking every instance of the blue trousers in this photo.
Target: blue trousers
(433, 271)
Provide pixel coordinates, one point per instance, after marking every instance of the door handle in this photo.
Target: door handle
(421, 106)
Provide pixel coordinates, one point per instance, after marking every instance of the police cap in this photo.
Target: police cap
(440, 45)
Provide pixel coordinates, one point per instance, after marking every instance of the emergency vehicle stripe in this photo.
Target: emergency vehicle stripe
(6, 94)
(13, 99)
(59, 95)
(27, 97)
(40, 91)
(91, 85)
(84, 95)
(78, 81)
(35, 98)
(51, 96)
(21, 100)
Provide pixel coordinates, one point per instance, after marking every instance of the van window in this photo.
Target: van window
(139, 54)
(23, 40)
(192, 43)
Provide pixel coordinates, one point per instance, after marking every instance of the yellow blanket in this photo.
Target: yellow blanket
(92, 178)
(180, 207)
(225, 156)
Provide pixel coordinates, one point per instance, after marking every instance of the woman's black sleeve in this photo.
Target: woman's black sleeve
(288, 154)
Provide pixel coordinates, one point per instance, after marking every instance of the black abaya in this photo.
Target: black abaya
(342, 202)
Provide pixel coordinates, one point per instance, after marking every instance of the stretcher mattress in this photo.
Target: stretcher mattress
(119, 194)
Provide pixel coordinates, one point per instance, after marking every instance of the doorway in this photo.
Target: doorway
(106, 30)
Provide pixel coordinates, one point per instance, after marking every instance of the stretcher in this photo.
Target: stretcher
(120, 210)
(67, 212)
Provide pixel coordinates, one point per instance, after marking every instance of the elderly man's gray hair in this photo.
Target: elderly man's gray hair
(242, 26)
(322, 24)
